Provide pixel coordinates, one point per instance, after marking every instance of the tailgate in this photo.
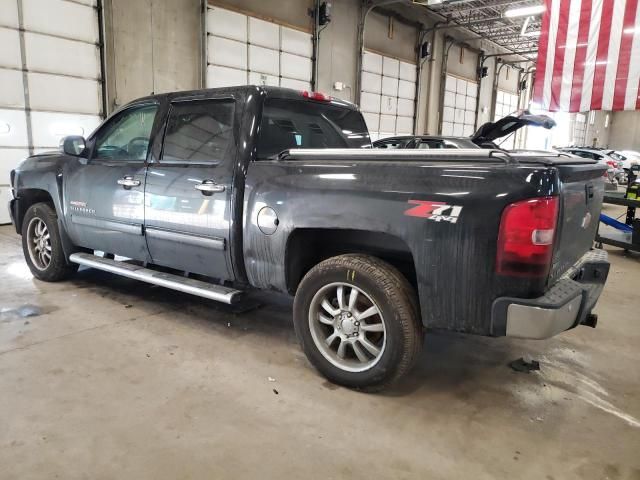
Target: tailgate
(581, 193)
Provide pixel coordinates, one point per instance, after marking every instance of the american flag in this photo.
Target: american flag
(589, 56)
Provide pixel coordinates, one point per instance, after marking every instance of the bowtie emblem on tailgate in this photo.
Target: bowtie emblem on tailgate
(436, 211)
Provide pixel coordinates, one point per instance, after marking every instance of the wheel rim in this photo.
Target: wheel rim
(347, 327)
(39, 243)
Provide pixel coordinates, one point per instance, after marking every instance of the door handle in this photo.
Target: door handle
(128, 181)
(207, 187)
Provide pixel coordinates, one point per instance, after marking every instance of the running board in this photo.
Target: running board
(168, 280)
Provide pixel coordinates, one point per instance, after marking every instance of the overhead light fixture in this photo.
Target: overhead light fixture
(524, 33)
(524, 11)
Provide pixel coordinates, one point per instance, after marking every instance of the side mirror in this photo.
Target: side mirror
(73, 145)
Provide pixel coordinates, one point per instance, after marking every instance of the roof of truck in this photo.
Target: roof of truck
(267, 91)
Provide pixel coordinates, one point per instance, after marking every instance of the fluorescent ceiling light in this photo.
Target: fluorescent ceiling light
(524, 11)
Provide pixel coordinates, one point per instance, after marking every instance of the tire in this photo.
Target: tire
(40, 233)
(383, 321)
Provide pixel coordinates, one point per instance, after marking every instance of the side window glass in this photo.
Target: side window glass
(127, 136)
(199, 131)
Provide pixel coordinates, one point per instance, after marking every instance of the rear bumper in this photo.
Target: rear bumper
(567, 304)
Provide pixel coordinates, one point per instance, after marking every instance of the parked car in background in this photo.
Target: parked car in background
(629, 158)
(484, 137)
(615, 171)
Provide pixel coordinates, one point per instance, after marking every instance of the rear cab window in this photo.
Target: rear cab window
(288, 123)
(199, 131)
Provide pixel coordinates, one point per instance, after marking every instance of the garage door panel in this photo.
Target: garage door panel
(52, 55)
(372, 120)
(63, 18)
(405, 107)
(458, 130)
(256, 78)
(49, 128)
(408, 71)
(447, 128)
(295, 66)
(371, 82)
(448, 114)
(387, 124)
(370, 102)
(388, 105)
(390, 67)
(11, 88)
(295, 84)
(450, 84)
(404, 125)
(449, 99)
(71, 94)
(372, 62)
(225, 77)
(264, 60)
(9, 158)
(390, 86)
(227, 53)
(264, 34)
(294, 41)
(10, 48)
(472, 89)
(470, 103)
(225, 23)
(9, 13)
(13, 125)
(406, 89)
(461, 86)
(469, 117)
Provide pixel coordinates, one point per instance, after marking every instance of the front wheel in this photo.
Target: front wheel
(357, 320)
(42, 245)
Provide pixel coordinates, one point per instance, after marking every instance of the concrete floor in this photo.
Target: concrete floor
(118, 379)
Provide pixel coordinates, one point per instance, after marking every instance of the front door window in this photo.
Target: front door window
(126, 137)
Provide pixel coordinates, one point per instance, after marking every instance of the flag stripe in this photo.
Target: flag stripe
(634, 69)
(548, 73)
(624, 58)
(570, 46)
(560, 50)
(590, 60)
(581, 55)
(601, 56)
(613, 55)
(541, 64)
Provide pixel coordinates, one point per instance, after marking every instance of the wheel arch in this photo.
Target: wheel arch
(306, 247)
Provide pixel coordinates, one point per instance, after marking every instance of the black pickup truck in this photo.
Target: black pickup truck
(214, 192)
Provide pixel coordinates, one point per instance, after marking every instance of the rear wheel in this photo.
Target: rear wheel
(42, 246)
(356, 317)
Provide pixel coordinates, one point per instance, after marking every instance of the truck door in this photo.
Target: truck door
(188, 191)
(104, 195)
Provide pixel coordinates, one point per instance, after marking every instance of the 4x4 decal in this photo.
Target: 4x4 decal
(436, 211)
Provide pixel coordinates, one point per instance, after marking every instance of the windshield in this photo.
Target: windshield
(304, 124)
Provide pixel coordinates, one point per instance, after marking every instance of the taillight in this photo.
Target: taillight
(612, 164)
(525, 241)
(317, 96)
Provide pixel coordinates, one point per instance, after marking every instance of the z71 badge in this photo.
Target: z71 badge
(436, 211)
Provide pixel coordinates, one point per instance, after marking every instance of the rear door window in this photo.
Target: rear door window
(288, 124)
(199, 131)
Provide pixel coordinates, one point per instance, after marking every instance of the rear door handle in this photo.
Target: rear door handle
(128, 181)
(207, 187)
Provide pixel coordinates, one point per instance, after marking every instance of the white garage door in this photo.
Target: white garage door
(459, 109)
(506, 103)
(243, 50)
(50, 78)
(387, 98)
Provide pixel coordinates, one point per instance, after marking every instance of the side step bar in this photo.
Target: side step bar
(168, 280)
